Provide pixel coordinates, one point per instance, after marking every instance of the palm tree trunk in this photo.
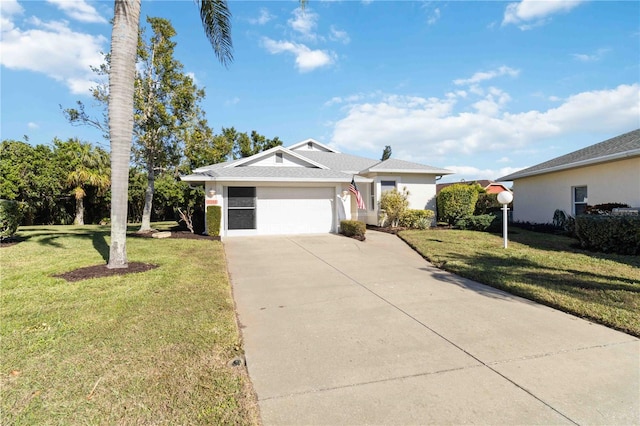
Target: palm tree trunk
(124, 42)
(79, 220)
(148, 199)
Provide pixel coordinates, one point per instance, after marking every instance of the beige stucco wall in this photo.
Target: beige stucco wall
(422, 191)
(537, 197)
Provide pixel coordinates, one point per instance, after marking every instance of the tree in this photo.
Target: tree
(90, 167)
(32, 175)
(386, 153)
(165, 101)
(215, 17)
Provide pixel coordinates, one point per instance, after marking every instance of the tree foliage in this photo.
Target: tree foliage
(87, 166)
(386, 153)
(457, 201)
(45, 179)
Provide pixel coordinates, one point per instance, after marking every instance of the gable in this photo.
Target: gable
(311, 145)
(276, 157)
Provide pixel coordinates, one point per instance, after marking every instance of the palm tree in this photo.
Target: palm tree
(91, 171)
(215, 18)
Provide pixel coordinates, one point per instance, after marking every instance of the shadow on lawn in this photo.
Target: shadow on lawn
(561, 243)
(49, 236)
(502, 269)
(541, 282)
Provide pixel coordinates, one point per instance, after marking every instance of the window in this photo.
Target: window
(241, 211)
(279, 157)
(579, 199)
(387, 185)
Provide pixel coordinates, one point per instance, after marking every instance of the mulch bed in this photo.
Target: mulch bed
(101, 271)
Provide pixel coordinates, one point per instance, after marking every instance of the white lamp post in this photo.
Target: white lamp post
(504, 198)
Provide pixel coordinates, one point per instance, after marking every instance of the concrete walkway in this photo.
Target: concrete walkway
(342, 332)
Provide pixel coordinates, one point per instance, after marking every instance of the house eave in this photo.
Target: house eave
(408, 171)
(592, 161)
(205, 178)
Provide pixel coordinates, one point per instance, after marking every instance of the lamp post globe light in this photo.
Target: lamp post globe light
(504, 198)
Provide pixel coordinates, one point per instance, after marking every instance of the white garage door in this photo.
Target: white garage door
(294, 210)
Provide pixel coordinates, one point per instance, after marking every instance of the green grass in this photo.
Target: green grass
(147, 348)
(545, 268)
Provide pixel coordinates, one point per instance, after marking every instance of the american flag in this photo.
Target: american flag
(354, 189)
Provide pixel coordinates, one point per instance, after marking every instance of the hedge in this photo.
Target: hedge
(353, 228)
(483, 222)
(417, 219)
(10, 216)
(609, 234)
(214, 216)
(456, 201)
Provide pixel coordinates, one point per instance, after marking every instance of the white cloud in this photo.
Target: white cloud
(304, 22)
(433, 17)
(263, 18)
(32, 125)
(10, 7)
(306, 59)
(233, 101)
(39, 49)
(487, 75)
(425, 128)
(594, 57)
(79, 10)
(528, 14)
(339, 35)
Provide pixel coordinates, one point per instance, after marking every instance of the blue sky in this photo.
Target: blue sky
(481, 88)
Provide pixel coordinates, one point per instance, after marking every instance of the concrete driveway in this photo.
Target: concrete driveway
(338, 331)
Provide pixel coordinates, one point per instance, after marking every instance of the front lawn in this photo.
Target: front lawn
(146, 348)
(546, 268)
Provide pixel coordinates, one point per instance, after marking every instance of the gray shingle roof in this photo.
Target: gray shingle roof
(401, 166)
(338, 161)
(619, 147)
(341, 168)
(272, 173)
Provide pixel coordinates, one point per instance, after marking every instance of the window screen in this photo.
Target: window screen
(241, 211)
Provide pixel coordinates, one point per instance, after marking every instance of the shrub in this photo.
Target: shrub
(487, 204)
(353, 228)
(605, 208)
(609, 234)
(417, 219)
(483, 222)
(564, 222)
(394, 203)
(457, 201)
(214, 216)
(10, 216)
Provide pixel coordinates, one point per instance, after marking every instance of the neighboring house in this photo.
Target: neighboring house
(607, 172)
(304, 189)
(488, 185)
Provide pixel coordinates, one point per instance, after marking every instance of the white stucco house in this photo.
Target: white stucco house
(606, 172)
(304, 189)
